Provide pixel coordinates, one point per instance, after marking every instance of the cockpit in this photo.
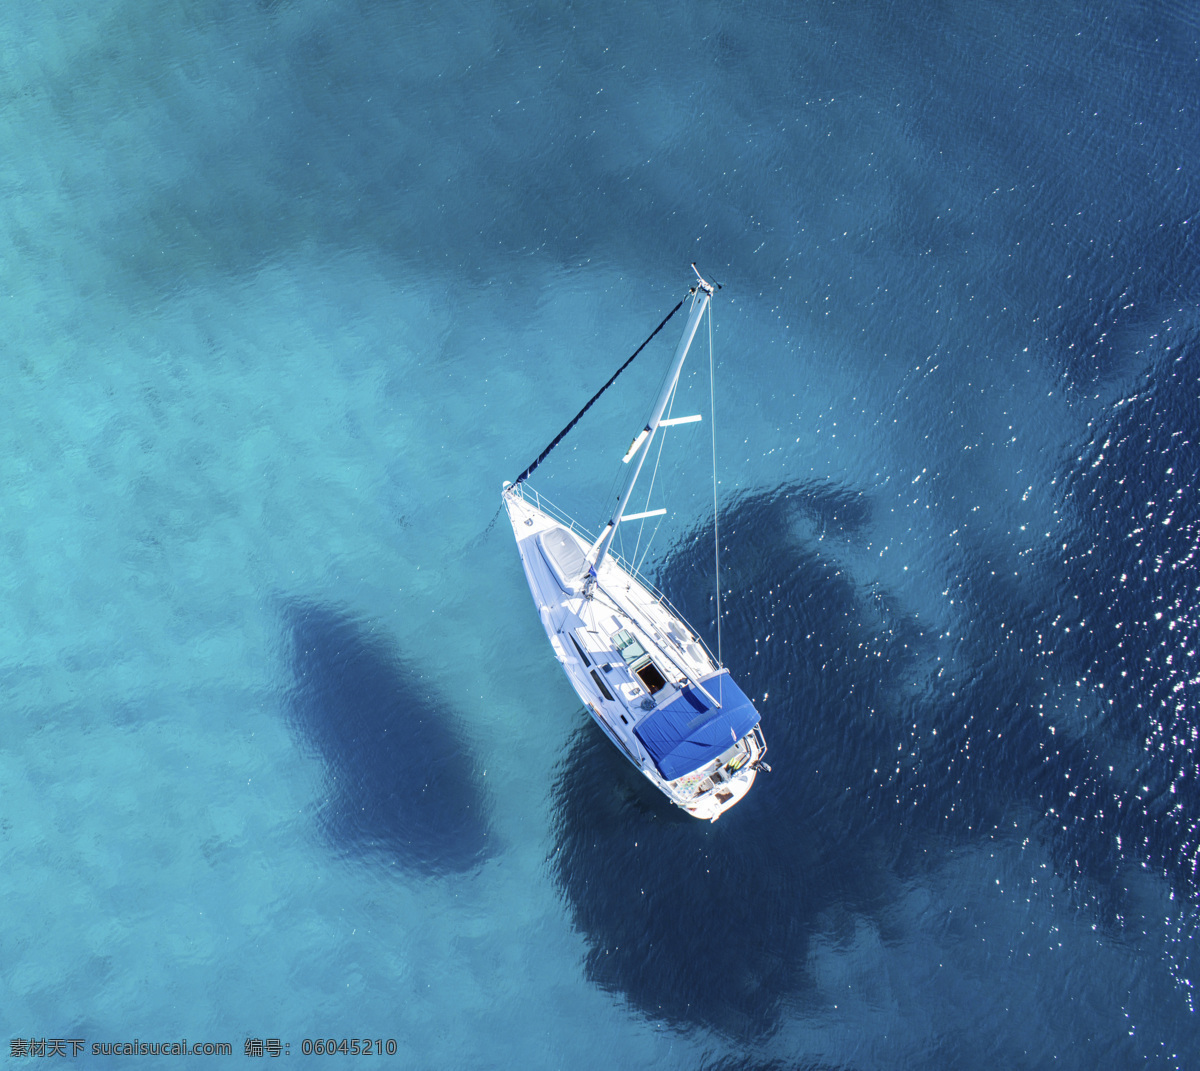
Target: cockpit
(639, 661)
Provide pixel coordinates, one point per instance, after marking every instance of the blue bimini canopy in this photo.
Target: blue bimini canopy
(689, 731)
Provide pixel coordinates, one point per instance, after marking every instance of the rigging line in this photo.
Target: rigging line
(637, 565)
(619, 479)
(578, 416)
(712, 408)
(649, 490)
(649, 544)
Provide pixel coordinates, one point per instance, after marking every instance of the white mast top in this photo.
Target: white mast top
(702, 294)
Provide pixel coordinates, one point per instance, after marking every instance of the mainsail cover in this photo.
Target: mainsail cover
(689, 731)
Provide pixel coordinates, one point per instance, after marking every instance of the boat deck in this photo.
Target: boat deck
(626, 652)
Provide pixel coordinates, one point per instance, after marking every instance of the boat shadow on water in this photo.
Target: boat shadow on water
(401, 788)
(712, 925)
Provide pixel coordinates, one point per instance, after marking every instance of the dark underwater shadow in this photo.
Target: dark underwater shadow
(401, 786)
(709, 925)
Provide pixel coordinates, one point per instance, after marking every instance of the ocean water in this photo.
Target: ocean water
(290, 288)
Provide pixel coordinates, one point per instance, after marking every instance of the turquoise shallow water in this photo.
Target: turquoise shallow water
(288, 289)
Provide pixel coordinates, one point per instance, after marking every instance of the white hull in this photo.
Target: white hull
(630, 658)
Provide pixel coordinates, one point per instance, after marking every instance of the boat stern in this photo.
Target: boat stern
(714, 803)
(710, 791)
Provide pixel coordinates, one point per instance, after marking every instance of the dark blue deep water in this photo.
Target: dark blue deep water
(288, 288)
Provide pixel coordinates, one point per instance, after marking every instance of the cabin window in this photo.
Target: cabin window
(586, 660)
(601, 685)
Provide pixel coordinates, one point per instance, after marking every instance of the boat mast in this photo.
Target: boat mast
(702, 292)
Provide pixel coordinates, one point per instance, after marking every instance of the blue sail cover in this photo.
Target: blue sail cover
(689, 731)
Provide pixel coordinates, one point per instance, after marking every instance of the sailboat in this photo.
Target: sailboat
(649, 680)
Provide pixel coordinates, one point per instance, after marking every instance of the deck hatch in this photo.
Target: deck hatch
(565, 557)
(633, 652)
